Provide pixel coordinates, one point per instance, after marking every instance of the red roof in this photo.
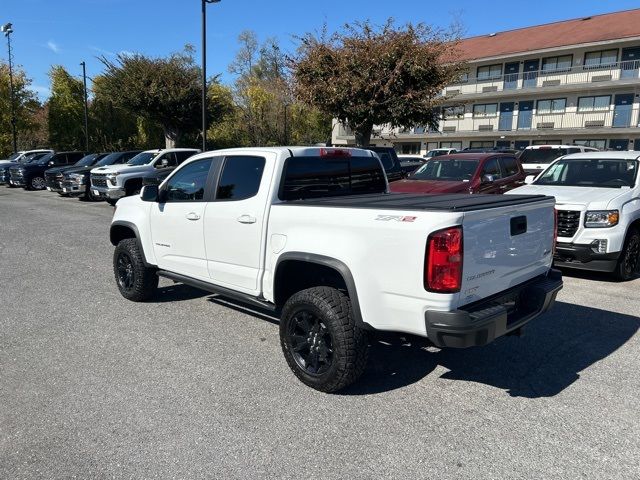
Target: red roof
(596, 28)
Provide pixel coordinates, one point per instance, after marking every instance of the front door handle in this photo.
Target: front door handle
(246, 219)
(192, 216)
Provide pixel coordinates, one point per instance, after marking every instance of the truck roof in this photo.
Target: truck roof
(298, 150)
(618, 155)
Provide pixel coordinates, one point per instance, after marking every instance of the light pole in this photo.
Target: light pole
(86, 108)
(8, 30)
(204, 71)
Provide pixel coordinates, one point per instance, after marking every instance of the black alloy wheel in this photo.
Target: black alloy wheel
(310, 342)
(125, 272)
(628, 263)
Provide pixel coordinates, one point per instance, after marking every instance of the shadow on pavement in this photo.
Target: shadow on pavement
(177, 292)
(555, 348)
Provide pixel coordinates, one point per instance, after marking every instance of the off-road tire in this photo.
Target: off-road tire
(627, 265)
(112, 202)
(349, 343)
(143, 283)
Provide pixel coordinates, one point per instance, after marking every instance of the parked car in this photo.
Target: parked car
(300, 230)
(464, 173)
(114, 182)
(390, 162)
(436, 152)
(598, 208)
(76, 181)
(536, 158)
(55, 176)
(18, 156)
(31, 175)
(410, 163)
(5, 173)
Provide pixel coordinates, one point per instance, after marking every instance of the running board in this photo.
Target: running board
(225, 292)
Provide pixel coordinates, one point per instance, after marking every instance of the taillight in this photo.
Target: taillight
(555, 230)
(443, 262)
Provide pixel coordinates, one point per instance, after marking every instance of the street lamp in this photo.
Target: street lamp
(7, 29)
(204, 71)
(86, 107)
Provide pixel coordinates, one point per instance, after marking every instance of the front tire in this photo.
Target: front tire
(627, 265)
(135, 281)
(323, 346)
(112, 202)
(37, 183)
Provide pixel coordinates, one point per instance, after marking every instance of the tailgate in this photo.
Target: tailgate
(504, 247)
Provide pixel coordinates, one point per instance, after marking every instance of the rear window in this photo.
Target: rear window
(313, 177)
(542, 155)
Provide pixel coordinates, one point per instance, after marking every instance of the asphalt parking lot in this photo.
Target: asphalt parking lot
(94, 386)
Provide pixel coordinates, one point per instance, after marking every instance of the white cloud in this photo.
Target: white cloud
(102, 51)
(42, 91)
(53, 46)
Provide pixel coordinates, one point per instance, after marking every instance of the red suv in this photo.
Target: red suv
(464, 173)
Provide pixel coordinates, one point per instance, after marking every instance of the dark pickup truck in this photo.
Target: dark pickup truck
(30, 175)
(54, 176)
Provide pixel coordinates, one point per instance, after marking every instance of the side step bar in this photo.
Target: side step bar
(225, 292)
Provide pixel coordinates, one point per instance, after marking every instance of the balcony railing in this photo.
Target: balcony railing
(590, 74)
(620, 117)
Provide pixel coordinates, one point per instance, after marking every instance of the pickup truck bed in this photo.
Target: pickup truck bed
(434, 202)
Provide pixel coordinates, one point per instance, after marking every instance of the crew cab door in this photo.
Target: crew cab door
(234, 222)
(177, 221)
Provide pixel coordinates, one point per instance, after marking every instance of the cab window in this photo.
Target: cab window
(188, 184)
(491, 167)
(510, 166)
(240, 178)
(167, 160)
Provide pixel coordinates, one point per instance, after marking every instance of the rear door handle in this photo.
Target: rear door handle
(246, 219)
(192, 216)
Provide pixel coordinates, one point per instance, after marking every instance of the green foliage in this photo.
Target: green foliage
(66, 110)
(366, 75)
(27, 109)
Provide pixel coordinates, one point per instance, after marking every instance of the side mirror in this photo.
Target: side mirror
(51, 163)
(150, 193)
(488, 179)
(529, 180)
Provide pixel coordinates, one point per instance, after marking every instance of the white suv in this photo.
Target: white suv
(598, 210)
(116, 181)
(536, 158)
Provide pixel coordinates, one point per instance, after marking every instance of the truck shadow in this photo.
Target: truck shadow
(596, 276)
(549, 357)
(177, 292)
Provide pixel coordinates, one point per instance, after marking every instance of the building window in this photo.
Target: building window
(594, 104)
(481, 144)
(453, 112)
(464, 77)
(486, 110)
(456, 145)
(546, 142)
(489, 72)
(557, 64)
(557, 105)
(408, 148)
(599, 144)
(600, 59)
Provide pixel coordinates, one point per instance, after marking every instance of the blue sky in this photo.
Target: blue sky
(67, 32)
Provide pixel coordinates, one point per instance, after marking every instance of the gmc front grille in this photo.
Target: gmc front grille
(568, 223)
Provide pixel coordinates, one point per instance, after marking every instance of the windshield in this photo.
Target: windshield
(542, 155)
(446, 170)
(108, 160)
(596, 172)
(43, 159)
(436, 153)
(32, 157)
(142, 158)
(86, 161)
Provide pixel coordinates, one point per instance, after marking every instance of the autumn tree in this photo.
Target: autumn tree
(66, 110)
(166, 91)
(365, 75)
(27, 108)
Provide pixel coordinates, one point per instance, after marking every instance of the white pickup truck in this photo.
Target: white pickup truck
(313, 235)
(112, 182)
(598, 204)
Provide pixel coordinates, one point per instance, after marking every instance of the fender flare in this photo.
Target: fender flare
(339, 267)
(136, 233)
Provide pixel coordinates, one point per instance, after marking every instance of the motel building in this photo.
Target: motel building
(570, 82)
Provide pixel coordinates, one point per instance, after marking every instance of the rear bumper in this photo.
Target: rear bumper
(482, 322)
(572, 255)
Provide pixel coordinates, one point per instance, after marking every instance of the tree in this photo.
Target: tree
(366, 75)
(26, 106)
(165, 91)
(66, 110)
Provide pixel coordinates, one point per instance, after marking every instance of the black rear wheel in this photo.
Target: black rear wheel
(323, 346)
